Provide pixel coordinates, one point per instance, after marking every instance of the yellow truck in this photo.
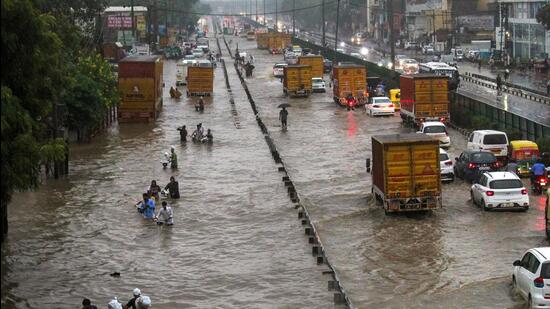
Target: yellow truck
(200, 78)
(405, 172)
(424, 97)
(349, 85)
(277, 42)
(297, 80)
(316, 63)
(262, 40)
(140, 85)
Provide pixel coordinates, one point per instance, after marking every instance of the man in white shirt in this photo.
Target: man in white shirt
(165, 215)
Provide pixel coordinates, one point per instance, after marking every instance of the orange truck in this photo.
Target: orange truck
(424, 97)
(262, 40)
(405, 172)
(200, 78)
(140, 84)
(297, 80)
(349, 84)
(316, 63)
(278, 41)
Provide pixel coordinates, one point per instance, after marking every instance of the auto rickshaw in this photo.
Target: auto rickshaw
(395, 97)
(525, 153)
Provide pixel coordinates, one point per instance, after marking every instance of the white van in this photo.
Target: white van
(490, 141)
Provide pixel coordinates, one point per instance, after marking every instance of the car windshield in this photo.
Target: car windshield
(482, 157)
(378, 101)
(545, 270)
(317, 80)
(435, 129)
(495, 139)
(506, 184)
(443, 157)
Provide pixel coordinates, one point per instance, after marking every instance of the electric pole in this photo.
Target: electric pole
(256, 4)
(133, 21)
(323, 13)
(155, 26)
(276, 17)
(293, 17)
(265, 21)
(336, 33)
(392, 38)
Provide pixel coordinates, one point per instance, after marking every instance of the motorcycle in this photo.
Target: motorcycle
(166, 160)
(196, 138)
(539, 183)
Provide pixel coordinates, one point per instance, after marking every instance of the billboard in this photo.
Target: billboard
(418, 6)
(114, 21)
(476, 22)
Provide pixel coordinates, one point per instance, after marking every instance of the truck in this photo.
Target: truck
(316, 63)
(262, 40)
(181, 71)
(405, 172)
(297, 80)
(424, 97)
(140, 85)
(349, 84)
(200, 78)
(278, 41)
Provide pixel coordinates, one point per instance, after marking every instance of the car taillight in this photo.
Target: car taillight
(472, 165)
(524, 191)
(539, 282)
(449, 163)
(421, 119)
(442, 119)
(496, 164)
(489, 193)
(390, 105)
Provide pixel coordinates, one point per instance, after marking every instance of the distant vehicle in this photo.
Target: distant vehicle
(189, 57)
(204, 48)
(341, 50)
(438, 130)
(472, 54)
(181, 70)
(250, 36)
(531, 277)
(197, 52)
(428, 49)
(424, 97)
(499, 190)
(471, 164)
(357, 39)
(318, 84)
(410, 66)
(492, 141)
(291, 59)
(458, 53)
(411, 45)
(446, 166)
(399, 59)
(279, 69)
(380, 106)
(442, 69)
(327, 66)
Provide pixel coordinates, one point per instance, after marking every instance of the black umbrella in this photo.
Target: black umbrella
(284, 105)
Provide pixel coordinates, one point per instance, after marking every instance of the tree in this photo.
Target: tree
(543, 16)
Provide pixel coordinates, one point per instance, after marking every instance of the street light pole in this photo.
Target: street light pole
(293, 18)
(256, 4)
(336, 32)
(265, 21)
(276, 17)
(323, 13)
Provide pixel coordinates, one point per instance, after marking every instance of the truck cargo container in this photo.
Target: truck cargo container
(349, 79)
(316, 63)
(262, 40)
(278, 41)
(140, 84)
(297, 80)
(405, 172)
(424, 97)
(200, 78)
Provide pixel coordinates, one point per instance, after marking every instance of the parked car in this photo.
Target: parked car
(471, 163)
(327, 66)
(531, 277)
(446, 166)
(318, 84)
(438, 130)
(428, 49)
(493, 141)
(411, 45)
(380, 106)
(500, 190)
(279, 69)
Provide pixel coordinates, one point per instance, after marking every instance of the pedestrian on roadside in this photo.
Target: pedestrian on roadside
(479, 64)
(183, 134)
(548, 87)
(499, 82)
(173, 188)
(506, 74)
(283, 116)
(165, 215)
(87, 304)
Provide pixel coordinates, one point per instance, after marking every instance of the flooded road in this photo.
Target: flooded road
(236, 242)
(456, 257)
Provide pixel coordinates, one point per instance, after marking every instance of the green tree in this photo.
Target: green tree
(91, 90)
(543, 16)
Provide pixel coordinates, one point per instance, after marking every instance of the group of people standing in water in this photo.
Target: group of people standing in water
(150, 198)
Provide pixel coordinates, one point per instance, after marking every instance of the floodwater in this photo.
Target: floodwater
(236, 242)
(456, 257)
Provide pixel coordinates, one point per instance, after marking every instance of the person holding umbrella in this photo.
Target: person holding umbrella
(283, 115)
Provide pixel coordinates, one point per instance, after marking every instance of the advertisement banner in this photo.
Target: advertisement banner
(140, 23)
(119, 21)
(477, 22)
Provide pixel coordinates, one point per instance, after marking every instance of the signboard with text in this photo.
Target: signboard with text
(114, 21)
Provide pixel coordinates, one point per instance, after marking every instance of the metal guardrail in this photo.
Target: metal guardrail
(517, 90)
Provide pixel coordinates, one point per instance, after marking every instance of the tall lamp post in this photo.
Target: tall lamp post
(336, 32)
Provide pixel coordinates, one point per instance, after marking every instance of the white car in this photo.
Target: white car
(380, 106)
(446, 166)
(279, 69)
(318, 85)
(500, 190)
(410, 45)
(204, 48)
(438, 130)
(197, 52)
(410, 66)
(491, 141)
(428, 49)
(531, 278)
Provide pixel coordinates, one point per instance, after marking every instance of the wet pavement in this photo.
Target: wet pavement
(456, 257)
(236, 242)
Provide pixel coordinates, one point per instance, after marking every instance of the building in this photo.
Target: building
(428, 21)
(525, 37)
(118, 26)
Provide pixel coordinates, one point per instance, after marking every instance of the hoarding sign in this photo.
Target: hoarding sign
(477, 22)
(119, 21)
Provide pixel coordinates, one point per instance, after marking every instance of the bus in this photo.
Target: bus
(441, 68)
